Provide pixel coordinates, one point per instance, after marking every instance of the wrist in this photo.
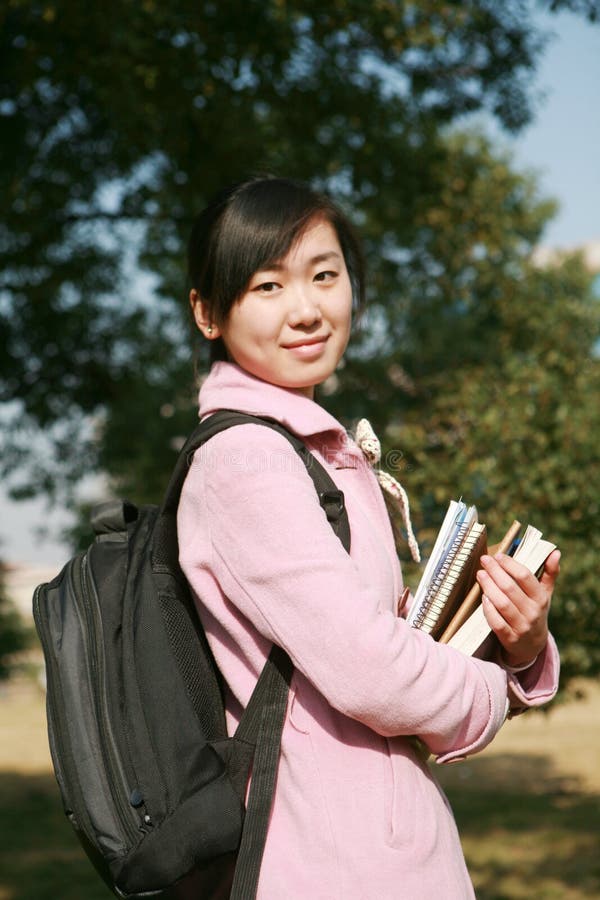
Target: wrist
(523, 657)
(515, 667)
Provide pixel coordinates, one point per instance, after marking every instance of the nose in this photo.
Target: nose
(305, 309)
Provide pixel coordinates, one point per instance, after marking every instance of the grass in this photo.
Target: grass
(527, 808)
(527, 831)
(40, 858)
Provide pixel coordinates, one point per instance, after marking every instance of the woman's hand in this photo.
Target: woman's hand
(516, 605)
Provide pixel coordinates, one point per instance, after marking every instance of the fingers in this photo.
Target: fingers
(513, 589)
(516, 604)
(494, 619)
(516, 650)
(518, 583)
(505, 570)
(503, 605)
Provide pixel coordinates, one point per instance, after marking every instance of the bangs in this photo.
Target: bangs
(258, 230)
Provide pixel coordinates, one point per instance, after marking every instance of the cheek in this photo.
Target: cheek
(248, 328)
(342, 312)
(238, 321)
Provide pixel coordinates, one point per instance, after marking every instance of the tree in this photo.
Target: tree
(118, 121)
(12, 632)
(496, 384)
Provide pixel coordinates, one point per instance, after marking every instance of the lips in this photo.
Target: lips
(306, 342)
(308, 349)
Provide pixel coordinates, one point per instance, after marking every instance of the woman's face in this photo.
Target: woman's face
(292, 324)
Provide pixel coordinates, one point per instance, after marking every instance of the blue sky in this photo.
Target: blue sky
(562, 145)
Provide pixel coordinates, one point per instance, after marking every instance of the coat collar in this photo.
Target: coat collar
(230, 387)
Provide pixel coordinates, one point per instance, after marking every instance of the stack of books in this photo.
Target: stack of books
(447, 603)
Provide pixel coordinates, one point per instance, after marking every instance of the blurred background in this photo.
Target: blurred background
(462, 139)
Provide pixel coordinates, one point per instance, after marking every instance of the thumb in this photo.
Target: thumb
(551, 570)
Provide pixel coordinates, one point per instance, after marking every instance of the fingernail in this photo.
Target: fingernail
(486, 560)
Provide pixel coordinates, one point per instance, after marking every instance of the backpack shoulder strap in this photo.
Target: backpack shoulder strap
(166, 550)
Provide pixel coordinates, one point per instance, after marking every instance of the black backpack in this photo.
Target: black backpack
(149, 780)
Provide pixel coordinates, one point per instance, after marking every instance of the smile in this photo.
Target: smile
(311, 348)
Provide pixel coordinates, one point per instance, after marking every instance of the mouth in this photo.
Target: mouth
(308, 348)
(306, 342)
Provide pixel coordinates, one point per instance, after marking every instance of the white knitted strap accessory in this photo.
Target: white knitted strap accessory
(369, 443)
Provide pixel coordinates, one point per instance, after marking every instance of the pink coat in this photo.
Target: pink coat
(357, 814)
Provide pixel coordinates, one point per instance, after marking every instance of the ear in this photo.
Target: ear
(202, 316)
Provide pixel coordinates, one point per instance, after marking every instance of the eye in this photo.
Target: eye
(267, 287)
(325, 276)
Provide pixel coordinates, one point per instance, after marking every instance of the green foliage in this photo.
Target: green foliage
(118, 120)
(497, 399)
(517, 434)
(13, 636)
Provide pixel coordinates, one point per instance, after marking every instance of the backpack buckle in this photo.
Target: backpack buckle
(333, 504)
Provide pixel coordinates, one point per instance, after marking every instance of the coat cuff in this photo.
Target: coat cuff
(531, 687)
(537, 684)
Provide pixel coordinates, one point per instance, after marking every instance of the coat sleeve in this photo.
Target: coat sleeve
(278, 562)
(536, 684)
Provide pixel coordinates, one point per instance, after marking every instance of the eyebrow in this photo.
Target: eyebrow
(323, 257)
(313, 261)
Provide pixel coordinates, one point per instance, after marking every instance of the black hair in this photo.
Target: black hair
(252, 224)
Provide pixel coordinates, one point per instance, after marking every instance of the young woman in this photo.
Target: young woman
(276, 272)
